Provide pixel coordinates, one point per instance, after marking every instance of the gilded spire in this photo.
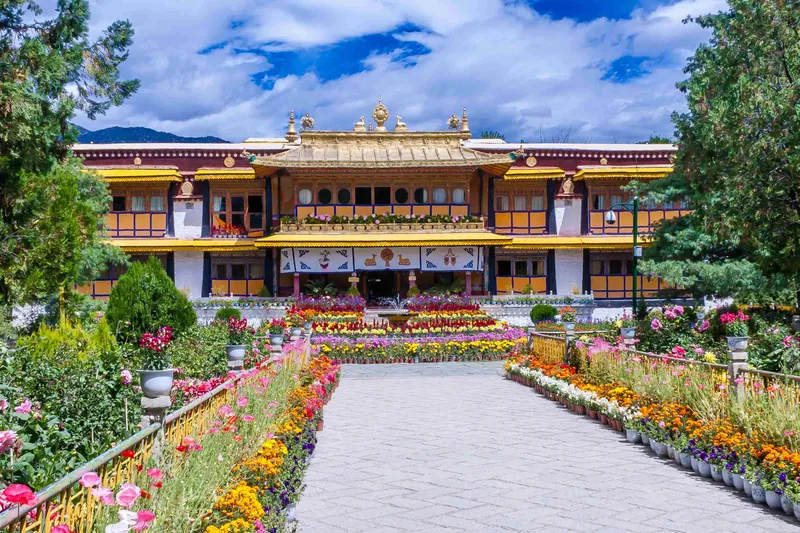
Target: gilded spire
(380, 114)
(291, 131)
(465, 133)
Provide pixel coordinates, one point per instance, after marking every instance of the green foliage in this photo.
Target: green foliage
(528, 289)
(456, 287)
(226, 312)
(412, 292)
(737, 160)
(68, 343)
(492, 135)
(542, 312)
(145, 299)
(318, 287)
(200, 351)
(353, 291)
(50, 211)
(656, 139)
(263, 292)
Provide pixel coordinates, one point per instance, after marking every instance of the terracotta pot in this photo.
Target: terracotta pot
(603, 418)
(592, 414)
(320, 425)
(580, 409)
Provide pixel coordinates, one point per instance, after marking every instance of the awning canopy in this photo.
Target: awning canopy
(638, 172)
(364, 240)
(138, 175)
(171, 245)
(541, 173)
(224, 174)
(364, 151)
(555, 242)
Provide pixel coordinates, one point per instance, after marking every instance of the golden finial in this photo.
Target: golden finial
(452, 122)
(291, 131)
(465, 133)
(307, 122)
(380, 114)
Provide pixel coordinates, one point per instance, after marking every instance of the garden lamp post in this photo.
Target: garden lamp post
(611, 218)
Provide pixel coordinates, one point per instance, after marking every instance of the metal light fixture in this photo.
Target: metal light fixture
(611, 218)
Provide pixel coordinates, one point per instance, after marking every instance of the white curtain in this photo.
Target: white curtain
(304, 196)
(458, 196)
(537, 203)
(137, 203)
(439, 196)
(156, 203)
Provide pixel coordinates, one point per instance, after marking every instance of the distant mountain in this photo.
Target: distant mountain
(117, 134)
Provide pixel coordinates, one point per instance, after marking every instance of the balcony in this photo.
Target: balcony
(432, 224)
(136, 224)
(352, 211)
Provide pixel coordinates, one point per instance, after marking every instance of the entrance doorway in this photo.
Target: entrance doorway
(380, 285)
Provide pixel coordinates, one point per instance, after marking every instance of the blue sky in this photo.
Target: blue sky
(604, 70)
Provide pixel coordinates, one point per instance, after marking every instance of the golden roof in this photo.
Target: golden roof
(593, 242)
(137, 174)
(224, 174)
(630, 172)
(169, 245)
(381, 150)
(365, 240)
(540, 173)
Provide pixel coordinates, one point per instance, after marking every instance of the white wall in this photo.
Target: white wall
(567, 212)
(189, 272)
(188, 219)
(569, 270)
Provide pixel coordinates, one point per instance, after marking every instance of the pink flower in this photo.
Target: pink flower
(143, 519)
(248, 418)
(670, 314)
(788, 433)
(127, 495)
(7, 440)
(90, 479)
(24, 408)
(678, 310)
(155, 473)
(679, 352)
(738, 381)
(61, 528)
(242, 401)
(225, 410)
(106, 495)
(19, 494)
(656, 324)
(126, 377)
(3, 404)
(646, 378)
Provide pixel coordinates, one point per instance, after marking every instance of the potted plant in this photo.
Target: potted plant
(627, 326)
(155, 375)
(276, 329)
(295, 322)
(237, 339)
(568, 315)
(736, 330)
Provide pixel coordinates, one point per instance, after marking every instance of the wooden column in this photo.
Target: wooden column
(468, 283)
(296, 290)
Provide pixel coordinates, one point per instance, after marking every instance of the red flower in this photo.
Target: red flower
(20, 494)
(182, 448)
(128, 454)
(139, 467)
(309, 413)
(237, 438)
(157, 485)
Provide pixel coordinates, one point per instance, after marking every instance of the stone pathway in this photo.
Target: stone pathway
(453, 447)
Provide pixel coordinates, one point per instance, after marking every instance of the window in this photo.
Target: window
(255, 271)
(324, 196)
(504, 268)
(629, 267)
(439, 196)
(401, 196)
(649, 204)
(502, 203)
(363, 195)
(237, 271)
(684, 203)
(237, 211)
(383, 195)
(597, 267)
(343, 196)
(118, 203)
(521, 268)
(421, 196)
(615, 267)
(221, 271)
(537, 203)
(520, 203)
(137, 203)
(458, 196)
(616, 199)
(537, 267)
(598, 202)
(255, 211)
(157, 203)
(304, 196)
(669, 205)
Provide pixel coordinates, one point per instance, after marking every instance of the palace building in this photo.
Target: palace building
(381, 210)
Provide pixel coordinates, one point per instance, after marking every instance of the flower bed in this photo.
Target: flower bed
(453, 303)
(684, 410)
(434, 326)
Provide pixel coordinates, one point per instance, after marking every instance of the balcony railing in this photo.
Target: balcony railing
(350, 211)
(136, 224)
(386, 227)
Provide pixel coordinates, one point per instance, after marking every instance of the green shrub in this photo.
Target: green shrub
(541, 312)
(413, 292)
(200, 351)
(145, 299)
(226, 312)
(352, 291)
(528, 289)
(263, 292)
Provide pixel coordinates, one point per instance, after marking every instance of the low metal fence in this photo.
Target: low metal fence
(550, 347)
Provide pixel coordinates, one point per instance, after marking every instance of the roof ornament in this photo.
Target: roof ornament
(518, 153)
(369, 126)
(291, 130)
(360, 126)
(380, 114)
(400, 126)
(452, 122)
(465, 133)
(307, 123)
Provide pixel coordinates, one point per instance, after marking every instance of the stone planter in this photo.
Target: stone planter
(727, 477)
(568, 326)
(235, 352)
(632, 436)
(704, 468)
(307, 326)
(787, 505)
(758, 493)
(156, 383)
(686, 460)
(296, 332)
(796, 510)
(290, 513)
(738, 344)
(773, 499)
(628, 333)
(645, 439)
(716, 472)
(670, 452)
(276, 339)
(738, 481)
(660, 449)
(695, 465)
(747, 487)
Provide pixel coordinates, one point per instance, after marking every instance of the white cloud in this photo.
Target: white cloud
(514, 70)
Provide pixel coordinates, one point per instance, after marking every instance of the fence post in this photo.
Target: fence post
(738, 362)
(796, 323)
(531, 331)
(154, 411)
(568, 339)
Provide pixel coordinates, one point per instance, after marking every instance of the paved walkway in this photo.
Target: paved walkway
(453, 447)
